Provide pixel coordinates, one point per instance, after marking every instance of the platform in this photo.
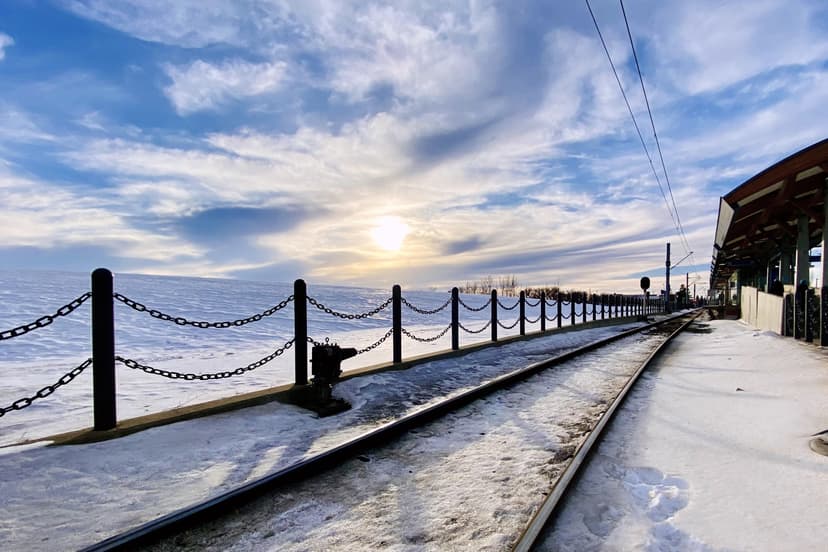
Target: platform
(714, 448)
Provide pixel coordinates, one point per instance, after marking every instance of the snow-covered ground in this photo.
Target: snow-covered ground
(65, 497)
(711, 452)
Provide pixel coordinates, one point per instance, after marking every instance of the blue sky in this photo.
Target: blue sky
(268, 140)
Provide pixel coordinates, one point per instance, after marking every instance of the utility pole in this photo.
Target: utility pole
(667, 295)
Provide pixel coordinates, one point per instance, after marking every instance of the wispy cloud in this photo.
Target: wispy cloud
(203, 86)
(5, 42)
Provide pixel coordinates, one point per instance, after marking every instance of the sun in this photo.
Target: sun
(389, 233)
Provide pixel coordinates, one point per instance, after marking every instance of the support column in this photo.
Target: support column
(823, 297)
(802, 266)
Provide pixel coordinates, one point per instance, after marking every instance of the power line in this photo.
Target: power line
(682, 234)
(632, 116)
(652, 124)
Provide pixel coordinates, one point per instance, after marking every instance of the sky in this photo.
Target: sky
(367, 143)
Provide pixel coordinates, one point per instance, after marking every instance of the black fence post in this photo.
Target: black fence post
(396, 321)
(602, 306)
(583, 308)
(594, 302)
(543, 311)
(522, 313)
(494, 315)
(455, 319)
(103, 350)
(558, 299)
(571, 309)
(300, 332)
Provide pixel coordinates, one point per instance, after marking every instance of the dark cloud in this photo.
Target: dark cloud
(228, 223)
(462, 246)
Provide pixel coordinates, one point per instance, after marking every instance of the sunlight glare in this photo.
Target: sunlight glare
(389, 233)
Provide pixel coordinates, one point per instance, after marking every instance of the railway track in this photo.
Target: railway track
(474, 470)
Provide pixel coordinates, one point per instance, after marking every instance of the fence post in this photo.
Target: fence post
(455, 319)
(583, 307)
(602, 305)
(543, 311)
(558, 307)
(522, 313)
(300, 332)
(572, 309)
(494, 315)
(103, 350)
(396, 321)
(594, 310)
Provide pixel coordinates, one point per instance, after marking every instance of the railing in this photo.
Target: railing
(104, 356)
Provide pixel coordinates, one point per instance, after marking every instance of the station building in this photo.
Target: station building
(767, 230)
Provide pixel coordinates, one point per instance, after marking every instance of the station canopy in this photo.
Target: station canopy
(758, 219)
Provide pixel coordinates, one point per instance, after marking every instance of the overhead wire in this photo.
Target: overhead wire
(682, 233)
(652, 124)
(632, 115)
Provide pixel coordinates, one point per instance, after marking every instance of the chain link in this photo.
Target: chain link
(475, 309)
(376, 343)
(202, 377)
(565, 316)
(533, 321)
(44, 321)
(20, 404)
(181, 321)
(346, 316)
(552, 318)
(425, 311)
(481, 330)
(505, 327)
(552, 303)
(532, 305)
(427, 339)
(504, 307)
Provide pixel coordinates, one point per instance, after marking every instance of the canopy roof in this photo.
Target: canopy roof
(758, 219)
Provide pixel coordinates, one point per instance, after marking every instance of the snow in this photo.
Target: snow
(710, 452)
(689, 464)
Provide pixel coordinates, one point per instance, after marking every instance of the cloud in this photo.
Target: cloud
(204, 86)
(5, 42)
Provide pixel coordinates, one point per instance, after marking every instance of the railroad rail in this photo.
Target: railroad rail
(229, 501)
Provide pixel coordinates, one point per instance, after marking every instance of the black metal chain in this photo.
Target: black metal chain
(20, 404)
(505, 327)
(566, 316)
(181, 321)
(427, 339)
(425, 311)
(44, 321)
(332, 312)
(533, 321)
(552, 303)
(376, 343)
(566, 303)
(551, 318)
(508, 308)
(481, 330)
(475, 309)
(533, 305)
(202, 377)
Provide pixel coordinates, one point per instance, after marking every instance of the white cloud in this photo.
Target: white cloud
(201, 85)
(5, 42)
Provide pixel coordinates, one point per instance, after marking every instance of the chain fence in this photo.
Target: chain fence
(20, 404)
(181, 321)
(504, 307)
(475, 309)
(425, 311)
(505, 327)
(531, 304)
(44, 321)
(427, 339)
(533, 321)
(481, 330)
(551, 318)
(348, 316)
(135, 365)
(376, 343)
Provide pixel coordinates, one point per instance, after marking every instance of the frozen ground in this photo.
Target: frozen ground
(711, 452)
(66, 497)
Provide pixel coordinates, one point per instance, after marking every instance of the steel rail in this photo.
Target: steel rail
(548, 509)
(196, 514)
